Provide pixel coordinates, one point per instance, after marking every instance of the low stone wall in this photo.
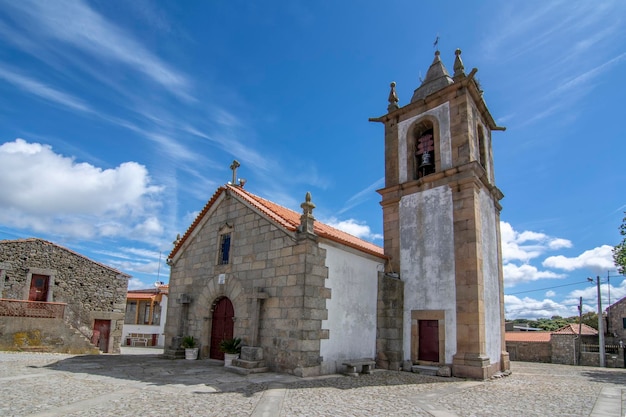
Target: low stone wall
(42, 335)
(529, 351)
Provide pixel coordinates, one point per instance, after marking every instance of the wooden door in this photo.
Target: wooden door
(102, 328)
(222, 326)
(428, 340)
(38, 288)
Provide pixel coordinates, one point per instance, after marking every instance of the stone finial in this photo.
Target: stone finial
(459, 69)
(175, 242)
(307, 220)
(393, 98)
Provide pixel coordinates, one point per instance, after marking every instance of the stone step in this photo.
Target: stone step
(425, 369)
(245, 371)
(241, 363)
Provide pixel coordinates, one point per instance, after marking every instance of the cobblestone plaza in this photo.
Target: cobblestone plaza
(38, 384)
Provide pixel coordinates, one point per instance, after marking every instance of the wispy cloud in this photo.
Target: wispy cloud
(44, 91)
(363, 195)
(76, 24)
(560, 50)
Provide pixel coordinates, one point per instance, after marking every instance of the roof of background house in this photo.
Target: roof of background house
(572, 328)
(45, 242)
(285, 217)
(620, 301)
(543, 336)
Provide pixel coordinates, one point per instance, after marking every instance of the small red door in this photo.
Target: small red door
(428, 341)
(102, 328)
(222, 327)
(38, 288)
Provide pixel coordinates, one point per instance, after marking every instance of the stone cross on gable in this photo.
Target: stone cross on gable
(234, 167)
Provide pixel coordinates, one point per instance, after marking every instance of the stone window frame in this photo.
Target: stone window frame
(50, 273)
(225, 229)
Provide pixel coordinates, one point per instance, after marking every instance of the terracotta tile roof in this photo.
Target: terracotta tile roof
(527, 336)
(572, 328)
(140, 296)
(286, 218)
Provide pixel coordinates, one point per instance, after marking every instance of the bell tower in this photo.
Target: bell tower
(441, 218)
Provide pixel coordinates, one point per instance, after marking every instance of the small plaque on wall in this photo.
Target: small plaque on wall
(221, 279)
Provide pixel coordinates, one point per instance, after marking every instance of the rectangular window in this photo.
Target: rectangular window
(146, 314)
(156, 314)
(224, 249)
(624, 322)
(131, 308)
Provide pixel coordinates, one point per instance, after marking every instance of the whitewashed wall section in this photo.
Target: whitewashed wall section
(353, 280)
(427, 260)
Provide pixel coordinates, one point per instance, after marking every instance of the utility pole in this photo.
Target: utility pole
(600, 323)
(580, 330)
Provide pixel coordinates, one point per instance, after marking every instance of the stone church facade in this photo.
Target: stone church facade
(313, 297)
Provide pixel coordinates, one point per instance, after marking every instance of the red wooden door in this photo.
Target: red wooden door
(428, 341)
(222, 327)
(102, 328)
(38, 288)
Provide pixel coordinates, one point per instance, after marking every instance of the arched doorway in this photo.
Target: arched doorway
(222, 326)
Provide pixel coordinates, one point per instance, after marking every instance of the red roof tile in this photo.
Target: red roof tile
(285, 217)
(572, 328)
(527, 336)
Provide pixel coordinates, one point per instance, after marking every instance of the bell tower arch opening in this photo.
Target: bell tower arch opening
(424, 149)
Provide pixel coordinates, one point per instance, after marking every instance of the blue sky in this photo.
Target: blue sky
(118, 121)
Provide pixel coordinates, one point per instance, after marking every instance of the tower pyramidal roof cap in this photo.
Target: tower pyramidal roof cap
(437, 78)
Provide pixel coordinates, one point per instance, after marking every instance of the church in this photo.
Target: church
(307, 298)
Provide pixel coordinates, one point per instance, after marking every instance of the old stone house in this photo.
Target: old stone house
(311, 296)
(616, 321)
(54, 299)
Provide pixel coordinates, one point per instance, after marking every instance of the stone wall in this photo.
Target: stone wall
(389, 354)
(91, 290)
(616, 317)
(28, 334)
(530, 351)
(563, 349)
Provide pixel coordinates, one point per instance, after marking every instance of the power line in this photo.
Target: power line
(548, 288)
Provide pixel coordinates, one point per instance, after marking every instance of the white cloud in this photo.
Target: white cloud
(527, 245)
(550, 293)
(353, 227)
(530, 308)
(517, 274)
(597, 260)
(49, 192)
(136, 284)
(590, 294)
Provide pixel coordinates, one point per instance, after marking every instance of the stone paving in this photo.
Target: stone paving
(40, 384)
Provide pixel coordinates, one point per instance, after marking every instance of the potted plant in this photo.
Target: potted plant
(190, 346)
(231, 349)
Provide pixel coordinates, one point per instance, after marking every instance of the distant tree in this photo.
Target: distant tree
(619, 251)
(591, 319)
